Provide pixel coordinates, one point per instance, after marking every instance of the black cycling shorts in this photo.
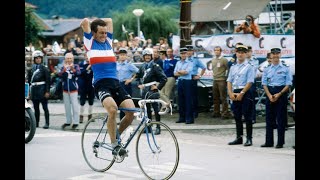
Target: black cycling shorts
(110, 88)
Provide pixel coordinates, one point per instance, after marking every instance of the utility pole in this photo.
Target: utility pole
(185, 23)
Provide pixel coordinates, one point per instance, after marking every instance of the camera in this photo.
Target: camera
(247, 22)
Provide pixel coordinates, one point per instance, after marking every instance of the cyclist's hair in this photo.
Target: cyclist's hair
(95, 23)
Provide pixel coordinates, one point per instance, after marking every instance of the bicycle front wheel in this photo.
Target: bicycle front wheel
(95, 142)
(157, 155)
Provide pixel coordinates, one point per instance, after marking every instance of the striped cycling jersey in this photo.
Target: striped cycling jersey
(101, 56)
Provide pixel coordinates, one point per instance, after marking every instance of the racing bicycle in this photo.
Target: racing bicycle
(152, 151)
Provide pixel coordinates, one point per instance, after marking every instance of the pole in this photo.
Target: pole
(185, 23)
(138, 34)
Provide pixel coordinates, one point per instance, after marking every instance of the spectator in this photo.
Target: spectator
(85, 87)
(255, 63)
(68, 74)
(168, 68)
(126, 73)
(219, 89)
(289, 29)
(195, 77)
(249, 27)
(183, 71)
(71, 49)
(156, 57)
(201, 28)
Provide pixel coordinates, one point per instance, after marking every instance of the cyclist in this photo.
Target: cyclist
(98, 44)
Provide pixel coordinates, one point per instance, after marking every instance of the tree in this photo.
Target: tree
(31, 28)
(156, 21)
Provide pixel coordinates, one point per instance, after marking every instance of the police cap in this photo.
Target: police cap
(249, 48)
(275, 50)
(183, 50)
(189, 47)
(122, 50)
(242, 48)
(162, 51)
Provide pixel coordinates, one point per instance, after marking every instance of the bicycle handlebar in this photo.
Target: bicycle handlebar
(142, 102)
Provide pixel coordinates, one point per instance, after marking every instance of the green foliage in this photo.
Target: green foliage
(155, 22)
(31, 28)
(88, 8)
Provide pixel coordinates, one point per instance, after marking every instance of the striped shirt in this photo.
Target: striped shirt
(101, 56)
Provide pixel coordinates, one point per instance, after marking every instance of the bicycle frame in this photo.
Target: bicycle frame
(144, 121)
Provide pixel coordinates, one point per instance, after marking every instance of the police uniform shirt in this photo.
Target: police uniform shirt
(255, 62)
(184, 65)
(241, 74)
(125, 70)
(276, 75)
(196, 64)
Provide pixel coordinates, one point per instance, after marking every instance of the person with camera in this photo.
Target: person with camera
(249, 27)
(149, 72)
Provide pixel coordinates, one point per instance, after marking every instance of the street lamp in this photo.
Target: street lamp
(138, 13)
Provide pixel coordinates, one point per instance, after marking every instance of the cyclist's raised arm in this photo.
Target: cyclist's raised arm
(109, 24)
(85, 25)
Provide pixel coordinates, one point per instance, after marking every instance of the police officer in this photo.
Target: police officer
(126, 72)
(255, 62)
(195, 77)
(149, 72)
(86, 90)
(240, 79)
(276, 81)
(39, 80)
(183, 71)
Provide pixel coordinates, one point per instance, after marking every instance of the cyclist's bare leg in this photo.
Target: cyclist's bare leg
(110, 105)
(128, 118)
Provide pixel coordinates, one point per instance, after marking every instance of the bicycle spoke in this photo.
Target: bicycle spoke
(95, 145)
(158, 155)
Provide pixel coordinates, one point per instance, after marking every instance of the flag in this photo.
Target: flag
(141, 35)
(123, 29)
(56, 48)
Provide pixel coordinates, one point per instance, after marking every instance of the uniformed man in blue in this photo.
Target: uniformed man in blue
(149, 72)
(240, 79)
(255, 62)
(183, 71)
(276, 81)
(126, 72)
(195, 77)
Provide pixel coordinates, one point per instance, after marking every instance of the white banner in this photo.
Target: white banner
(260, 46)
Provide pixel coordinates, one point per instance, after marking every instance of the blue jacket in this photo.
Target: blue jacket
(69, 82)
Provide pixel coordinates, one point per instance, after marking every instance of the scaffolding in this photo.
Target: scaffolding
(277, 18)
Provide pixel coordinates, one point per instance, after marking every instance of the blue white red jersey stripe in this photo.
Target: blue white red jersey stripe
(101, 57)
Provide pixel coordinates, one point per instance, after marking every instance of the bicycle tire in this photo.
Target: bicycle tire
(164, 163)
(98, 158)
(30, 125)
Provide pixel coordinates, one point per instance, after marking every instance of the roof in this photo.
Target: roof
(44, 26)
(208, 10)
(61, 26)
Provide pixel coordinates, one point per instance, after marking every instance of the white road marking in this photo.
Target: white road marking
(125, 175)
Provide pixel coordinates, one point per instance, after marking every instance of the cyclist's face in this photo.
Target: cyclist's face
(101, 34)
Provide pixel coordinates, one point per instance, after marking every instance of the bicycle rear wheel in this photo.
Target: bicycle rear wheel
(157, 155)
(94, 140)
